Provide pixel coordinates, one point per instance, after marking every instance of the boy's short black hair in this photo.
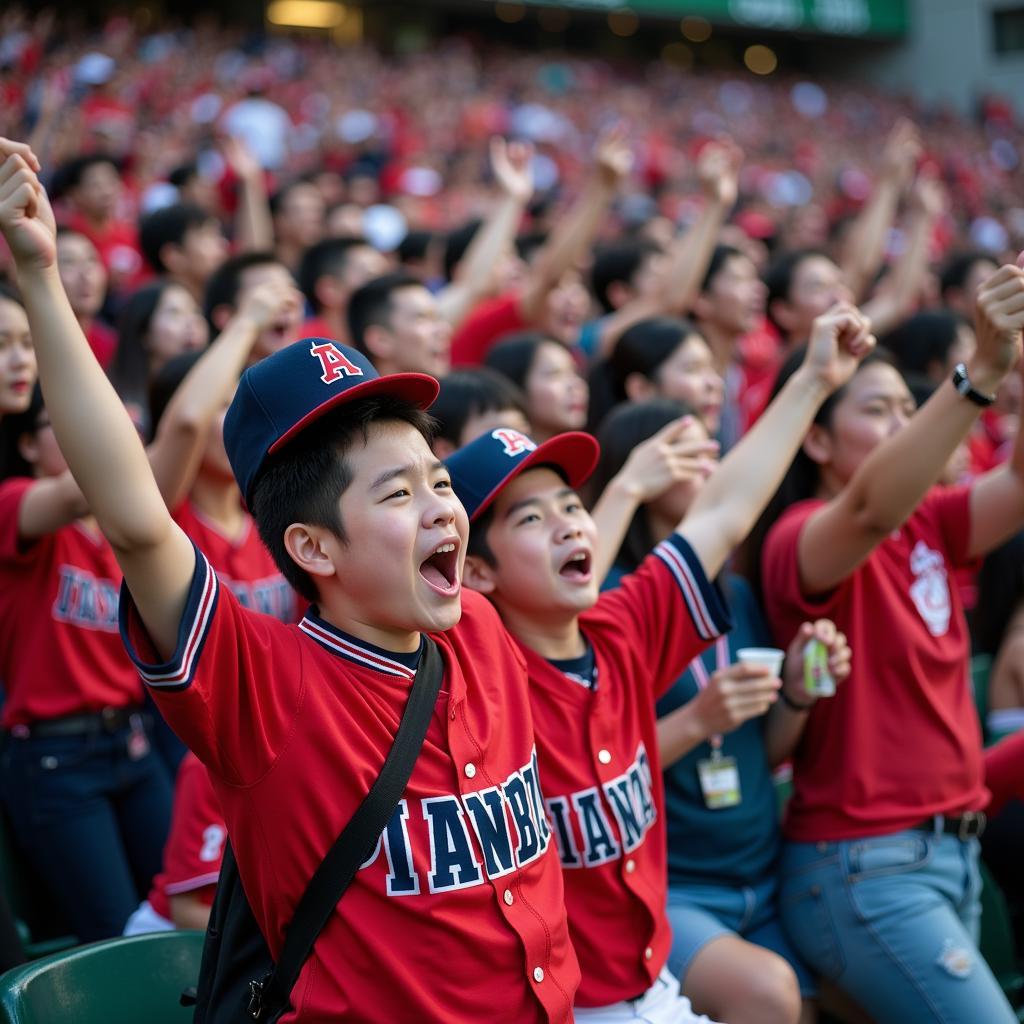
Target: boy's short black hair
(278, 198)
(467, 393)
(183, 174)
(69, 175)
(618, 262)
(720, 256)
(414, 246)
(226, 281)
(303, 482)
(456, 244)
(955, 272)
(326, 257)
(779, 278)
(168, 226)
(370, 305)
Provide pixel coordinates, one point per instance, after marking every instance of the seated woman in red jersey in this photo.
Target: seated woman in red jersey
(183, 892)
(880, 877)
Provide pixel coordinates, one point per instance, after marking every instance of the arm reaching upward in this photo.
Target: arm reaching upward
(730, 502)
(91, 425)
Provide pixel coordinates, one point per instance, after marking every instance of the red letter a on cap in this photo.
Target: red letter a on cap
(334, 363)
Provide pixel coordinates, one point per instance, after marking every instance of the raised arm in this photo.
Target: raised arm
(177, 449)
(254, 227)
(575, 232)
(865, 246)
(667, 458)
(91, 425)
(510, 163)
(899, 294)
(718, 170)
(889, 484)
(730, 502)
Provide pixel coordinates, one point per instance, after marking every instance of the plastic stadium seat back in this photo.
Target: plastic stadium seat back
(138, 980)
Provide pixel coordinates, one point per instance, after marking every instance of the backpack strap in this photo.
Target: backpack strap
(356, 841)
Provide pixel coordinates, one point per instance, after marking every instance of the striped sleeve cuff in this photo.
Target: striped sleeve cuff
(707, 608)
(177, 672)
(191, 884)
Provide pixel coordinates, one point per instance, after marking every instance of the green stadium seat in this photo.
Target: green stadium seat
(118, 981)
(39, 921)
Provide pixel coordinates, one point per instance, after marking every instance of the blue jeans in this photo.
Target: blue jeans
(699, 913)
(893, 920)
(92, 820)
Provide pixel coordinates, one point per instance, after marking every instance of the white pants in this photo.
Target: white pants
(146, 919)
(662, 1003)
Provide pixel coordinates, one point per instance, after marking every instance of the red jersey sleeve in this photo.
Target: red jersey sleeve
(12, 548)
(485, 325)
(195, 844)
(670, 608)
(233, 685)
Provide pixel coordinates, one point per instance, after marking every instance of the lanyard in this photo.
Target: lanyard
(701, 677)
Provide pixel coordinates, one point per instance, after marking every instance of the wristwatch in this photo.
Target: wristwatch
(963, 384)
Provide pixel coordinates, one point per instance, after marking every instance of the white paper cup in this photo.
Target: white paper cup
(766, 657)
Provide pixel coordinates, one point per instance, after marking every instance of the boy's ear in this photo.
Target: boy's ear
(306, 548)
(637, 387)
(818, 445)
(478, 575)
(378, 343)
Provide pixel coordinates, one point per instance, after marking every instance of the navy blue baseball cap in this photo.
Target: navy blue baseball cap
(480, 469)
(281, 395)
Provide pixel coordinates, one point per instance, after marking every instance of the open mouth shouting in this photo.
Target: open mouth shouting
(577, 567)
(441, 569)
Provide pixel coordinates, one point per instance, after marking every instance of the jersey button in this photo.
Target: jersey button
(630, 866)
(538, 974)
(508, 897)
(648, 953)
(470, 770)
(604, 756)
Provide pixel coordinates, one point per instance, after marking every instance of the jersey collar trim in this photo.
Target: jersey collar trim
(359, 651)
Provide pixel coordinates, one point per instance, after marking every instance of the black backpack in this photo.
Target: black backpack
(238, 980)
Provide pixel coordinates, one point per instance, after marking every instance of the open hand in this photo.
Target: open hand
(670, 456)
(268, 303)
(511, 167)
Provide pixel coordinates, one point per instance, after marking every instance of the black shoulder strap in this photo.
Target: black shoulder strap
(359, 836)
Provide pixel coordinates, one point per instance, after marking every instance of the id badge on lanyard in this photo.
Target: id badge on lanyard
(719, 775)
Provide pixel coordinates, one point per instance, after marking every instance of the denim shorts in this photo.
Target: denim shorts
(893, 921)
(700, 912)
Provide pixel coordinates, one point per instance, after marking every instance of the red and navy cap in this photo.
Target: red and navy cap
(480, 469)
(283, 394)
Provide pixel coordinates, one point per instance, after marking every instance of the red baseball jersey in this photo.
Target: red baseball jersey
(245, 566)
(900, 740)
(59, 649)
(195, 843)
(599, 768)
(458, 914)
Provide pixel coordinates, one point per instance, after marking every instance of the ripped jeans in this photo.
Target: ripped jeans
(893, 920)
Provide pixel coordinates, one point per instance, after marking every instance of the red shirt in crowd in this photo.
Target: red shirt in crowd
(118, 246)
(243, 564)
(60, 653)
(900, 741)
(484, 327)
(294, 723)
(103, 342)
(195, 843)
(599, 768)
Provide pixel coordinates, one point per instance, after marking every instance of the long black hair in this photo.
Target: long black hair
(12, 429)
(129, 372)
(627, 426)
(641, 349)
(1000, 593)
(803, 476)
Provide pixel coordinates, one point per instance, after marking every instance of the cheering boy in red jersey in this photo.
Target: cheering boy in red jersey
(294, 722)
(597, 666)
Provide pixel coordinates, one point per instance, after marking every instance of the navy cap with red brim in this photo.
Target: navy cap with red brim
(280, 396)
(480, 469)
